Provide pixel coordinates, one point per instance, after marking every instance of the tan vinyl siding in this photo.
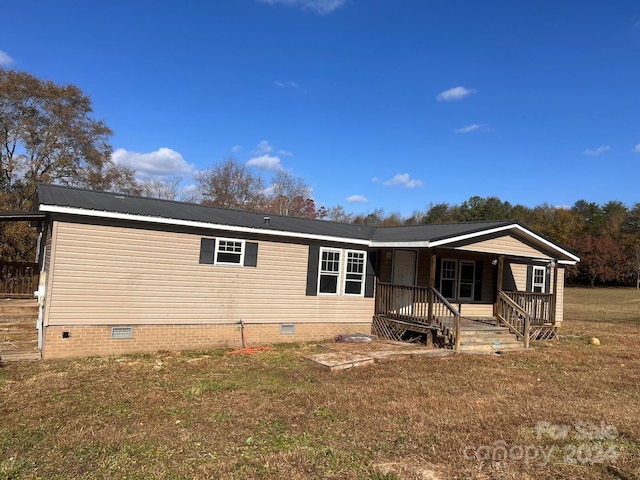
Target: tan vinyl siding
(505, 245)
(49, 269)
(106, 275)
(519, 272)
(560, 296)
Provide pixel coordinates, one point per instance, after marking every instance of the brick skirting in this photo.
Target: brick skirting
(80, 341)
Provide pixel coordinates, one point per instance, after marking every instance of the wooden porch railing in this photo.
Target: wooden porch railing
(421, 305)
(539, 306)
(514, 317)
(18, 279)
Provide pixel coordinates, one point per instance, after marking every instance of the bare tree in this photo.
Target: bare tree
(230, 184)
(291, 196)
(166, 188)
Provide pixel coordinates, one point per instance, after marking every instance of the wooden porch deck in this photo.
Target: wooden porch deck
(407, 313)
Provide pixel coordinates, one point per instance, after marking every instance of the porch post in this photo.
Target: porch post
(498, 286)
(554, 298)
(432, 286)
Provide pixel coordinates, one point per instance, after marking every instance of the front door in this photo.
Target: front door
(404, 273)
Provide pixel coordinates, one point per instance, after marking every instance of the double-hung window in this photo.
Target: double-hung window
(448, 278)
(342, 272)
(329, 271)
(354, 273)
(538, 279)
(229, 252)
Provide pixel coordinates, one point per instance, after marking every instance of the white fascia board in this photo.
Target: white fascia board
(416, 244)
(513, 226)
(190, 223)
(567, 262)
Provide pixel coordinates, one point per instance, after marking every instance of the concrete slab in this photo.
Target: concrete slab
(340, 360)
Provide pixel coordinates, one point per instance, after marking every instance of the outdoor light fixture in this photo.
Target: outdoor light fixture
(494, 262)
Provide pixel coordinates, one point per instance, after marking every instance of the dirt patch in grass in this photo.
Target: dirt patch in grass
(563, 409)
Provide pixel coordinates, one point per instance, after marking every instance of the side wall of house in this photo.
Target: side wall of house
(108, 276)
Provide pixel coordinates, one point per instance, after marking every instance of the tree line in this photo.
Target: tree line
(48, 135)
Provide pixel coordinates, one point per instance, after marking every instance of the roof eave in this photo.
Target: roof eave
(195, 224)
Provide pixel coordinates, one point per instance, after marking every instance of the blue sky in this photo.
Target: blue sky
(389, 104)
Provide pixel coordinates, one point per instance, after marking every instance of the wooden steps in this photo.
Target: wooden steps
(481, 337)
(18, 334)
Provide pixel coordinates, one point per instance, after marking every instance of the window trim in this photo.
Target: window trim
(535, 284)
(242, 243)
(336, 274)
(363, 275)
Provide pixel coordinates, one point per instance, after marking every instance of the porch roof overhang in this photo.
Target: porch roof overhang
(562, 255)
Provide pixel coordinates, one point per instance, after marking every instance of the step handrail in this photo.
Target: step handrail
(514, 308)
(439, 299)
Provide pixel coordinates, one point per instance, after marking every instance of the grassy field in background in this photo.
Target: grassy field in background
(276, 416)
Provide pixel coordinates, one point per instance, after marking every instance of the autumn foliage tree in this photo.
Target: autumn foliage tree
(47, 134)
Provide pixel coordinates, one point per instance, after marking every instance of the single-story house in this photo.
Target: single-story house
(125, 274)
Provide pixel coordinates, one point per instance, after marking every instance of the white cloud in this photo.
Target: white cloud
(320, 7)
(637, 149)
(597, 151)
(469, 128)
(265, 162)
(456, 93)
(236, 148)
(263, 147)
(288, 84)
(357, 199)
(405, 180)
(5, 59)
(375, 179)
(162, 162)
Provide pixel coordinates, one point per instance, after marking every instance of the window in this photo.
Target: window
(459, 279)
(329, 272)
(341, 272)
(229, 252)
(448, 278)
(354, 273)
(538, 280)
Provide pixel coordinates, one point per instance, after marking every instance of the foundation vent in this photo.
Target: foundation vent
(122, 332)
(287, 329)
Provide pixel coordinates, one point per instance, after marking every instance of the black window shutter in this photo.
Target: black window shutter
(207, 250)
(370, 279)
(547, 281)
(529, 278)
(477, 292)
(312, 270)
(250, 254)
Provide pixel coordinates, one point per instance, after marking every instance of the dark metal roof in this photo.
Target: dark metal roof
(433, 231)
(150, 208)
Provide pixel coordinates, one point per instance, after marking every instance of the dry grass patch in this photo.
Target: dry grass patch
(274, 415)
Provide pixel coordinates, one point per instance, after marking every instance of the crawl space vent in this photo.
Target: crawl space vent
(122, 332)
(287, 329)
